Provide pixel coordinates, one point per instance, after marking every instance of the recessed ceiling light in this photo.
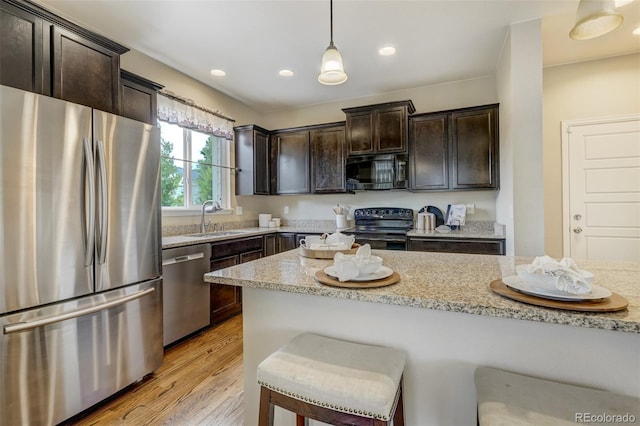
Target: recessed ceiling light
(286, 73)
(387, 51)
(218, 73)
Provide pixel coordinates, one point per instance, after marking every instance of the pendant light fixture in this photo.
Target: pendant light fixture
(595, 18)
(332, 70)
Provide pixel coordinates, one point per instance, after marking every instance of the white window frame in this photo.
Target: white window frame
(192, 209)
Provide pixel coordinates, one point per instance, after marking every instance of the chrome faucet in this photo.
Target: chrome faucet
(214, 207)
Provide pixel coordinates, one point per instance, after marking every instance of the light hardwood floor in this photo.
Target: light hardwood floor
(199, 383)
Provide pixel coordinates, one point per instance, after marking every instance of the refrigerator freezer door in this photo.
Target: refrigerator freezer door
(61, 359)
(128, 240)
(44, 173)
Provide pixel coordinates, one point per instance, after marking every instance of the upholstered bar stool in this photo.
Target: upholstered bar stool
(506, 398)
(333, 381)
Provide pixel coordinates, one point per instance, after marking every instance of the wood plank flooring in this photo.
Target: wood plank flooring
(199, 383)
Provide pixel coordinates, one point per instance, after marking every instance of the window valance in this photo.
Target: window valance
(185, 113)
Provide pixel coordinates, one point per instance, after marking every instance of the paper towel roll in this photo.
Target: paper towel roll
(430, 222)
(421, 223)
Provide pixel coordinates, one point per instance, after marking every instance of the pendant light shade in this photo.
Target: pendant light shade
(331, 69)
(595, 18)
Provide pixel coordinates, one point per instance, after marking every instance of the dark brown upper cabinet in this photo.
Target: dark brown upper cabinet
(380, 128)
(290, 162)
(85, 72)
(454, 150)
(252, 160)
(328, 159)
(428, 152)
(474, 148)
(139, 98)
(23, 47)
(46, 54)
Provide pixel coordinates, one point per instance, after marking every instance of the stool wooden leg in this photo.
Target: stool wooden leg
(265, 414)
(398, 416)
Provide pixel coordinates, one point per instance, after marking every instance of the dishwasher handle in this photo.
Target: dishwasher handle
(181, 259)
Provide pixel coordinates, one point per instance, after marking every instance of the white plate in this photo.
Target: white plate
(517, 283)
(381, 273)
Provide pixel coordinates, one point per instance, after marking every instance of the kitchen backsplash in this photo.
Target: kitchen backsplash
(309, 225)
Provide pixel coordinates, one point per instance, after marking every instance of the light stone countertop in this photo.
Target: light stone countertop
(187, 240)
(443, 281)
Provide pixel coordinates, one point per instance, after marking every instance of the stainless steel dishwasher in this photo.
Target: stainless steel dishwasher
(185, 294)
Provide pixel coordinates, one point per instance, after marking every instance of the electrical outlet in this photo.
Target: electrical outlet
(239, 210)
(286, 209)
(471, 208)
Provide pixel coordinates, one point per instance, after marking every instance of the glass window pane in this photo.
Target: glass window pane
(202, 174)
(172, 170)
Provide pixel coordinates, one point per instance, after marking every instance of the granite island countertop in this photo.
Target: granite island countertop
(443, 281)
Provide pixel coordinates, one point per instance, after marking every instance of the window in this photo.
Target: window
(191, 172)
(195, 164)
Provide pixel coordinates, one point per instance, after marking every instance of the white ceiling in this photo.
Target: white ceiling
(436, 40)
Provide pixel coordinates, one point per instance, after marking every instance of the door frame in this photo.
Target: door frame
(566, 131)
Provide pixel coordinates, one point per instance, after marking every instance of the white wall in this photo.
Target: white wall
(592, 89)
(520, 71)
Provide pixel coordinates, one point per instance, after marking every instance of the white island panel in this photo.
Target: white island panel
(443, 350)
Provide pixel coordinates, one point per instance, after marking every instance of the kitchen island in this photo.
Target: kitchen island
(443, 314)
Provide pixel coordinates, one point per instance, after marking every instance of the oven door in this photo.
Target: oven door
(383, 241)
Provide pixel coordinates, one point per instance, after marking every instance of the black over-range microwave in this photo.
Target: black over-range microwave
(375, 172)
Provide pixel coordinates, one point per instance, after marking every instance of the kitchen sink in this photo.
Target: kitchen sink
(217, 234)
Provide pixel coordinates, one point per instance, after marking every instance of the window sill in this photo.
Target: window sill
(193, 212)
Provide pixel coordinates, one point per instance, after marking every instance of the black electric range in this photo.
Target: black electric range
(382, 227)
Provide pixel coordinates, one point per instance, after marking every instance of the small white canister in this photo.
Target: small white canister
(264, 219)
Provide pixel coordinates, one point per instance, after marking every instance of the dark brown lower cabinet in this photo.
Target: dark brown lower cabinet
(286, 241)
(226, 300)
(270, 244)
(453, 245)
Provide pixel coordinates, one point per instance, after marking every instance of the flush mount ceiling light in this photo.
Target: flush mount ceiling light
(387, 51)
(285, 73)
(332, 70)
(595, 18)
(218, 73)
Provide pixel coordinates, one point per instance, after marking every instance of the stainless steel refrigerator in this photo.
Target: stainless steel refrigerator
(80, 256)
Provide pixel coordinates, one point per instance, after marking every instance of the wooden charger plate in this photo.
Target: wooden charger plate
(327, 254)
(610, 304)
(323, 278)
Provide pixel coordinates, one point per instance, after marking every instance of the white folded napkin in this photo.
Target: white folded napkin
(568, 277)
(347, 267)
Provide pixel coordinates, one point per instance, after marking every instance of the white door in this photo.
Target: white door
(602, 189)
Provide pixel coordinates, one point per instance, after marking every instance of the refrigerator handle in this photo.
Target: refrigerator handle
(104, 223)
(29, 325)
(91, 228)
